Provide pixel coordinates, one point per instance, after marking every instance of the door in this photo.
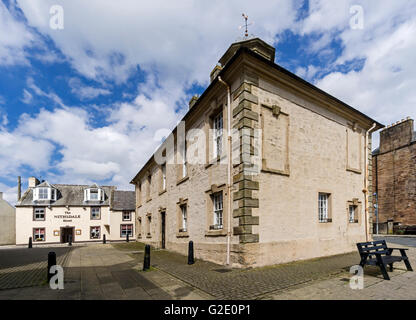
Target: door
(163, 220)
(66, 233)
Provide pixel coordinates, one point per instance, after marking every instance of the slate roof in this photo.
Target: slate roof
(123, 200)
(68, 195)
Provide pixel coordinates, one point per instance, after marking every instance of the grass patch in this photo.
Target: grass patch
(129, 246)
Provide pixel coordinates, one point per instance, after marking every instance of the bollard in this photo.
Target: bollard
(146, 262)
(30, 243)
(127, 238)
(51, 262)
(191, 259)
(70, 240)
(104, 240)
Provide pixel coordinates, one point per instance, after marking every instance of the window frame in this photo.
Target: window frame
(163, 186)
(218, 134)
(91, 212)
(324, 217)
(218, 210)
(126, 225)
(99, 229)
(34, 234)
(34, 213)
(123, 218)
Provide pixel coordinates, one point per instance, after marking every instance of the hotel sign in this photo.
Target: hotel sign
(67, 216)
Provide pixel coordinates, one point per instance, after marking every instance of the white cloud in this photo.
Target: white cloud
(9, 193)
(86, 92)
(27, 97)
(14, 37)
(384, 87)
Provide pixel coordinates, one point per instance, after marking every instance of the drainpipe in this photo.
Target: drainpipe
(228, 169)
(366, 180)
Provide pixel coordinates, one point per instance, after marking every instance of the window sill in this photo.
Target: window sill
(148, 200)
(148, 236)
(162, 192)
(353, 222)
(181, 234)
(216, 233)
(182, 180)
(327, 221)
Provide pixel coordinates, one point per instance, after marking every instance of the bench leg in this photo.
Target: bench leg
(391, 267)
(382, 267)
(408, 266)
(406, 261)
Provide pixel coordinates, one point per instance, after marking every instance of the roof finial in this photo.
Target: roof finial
(246, 24)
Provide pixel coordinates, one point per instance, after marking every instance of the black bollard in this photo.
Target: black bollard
(30, 243)
(191, 259)
(127, 238)
(146, 262)
(51, 262)
(104, 240)
(70, 240)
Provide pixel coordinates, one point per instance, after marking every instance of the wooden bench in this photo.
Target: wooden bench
(377, 253)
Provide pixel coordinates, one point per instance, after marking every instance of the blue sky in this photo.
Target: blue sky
(84, 103)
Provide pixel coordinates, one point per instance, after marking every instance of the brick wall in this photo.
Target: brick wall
(394, 174)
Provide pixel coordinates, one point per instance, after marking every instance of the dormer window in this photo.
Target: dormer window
(45, 192)
(94, 193)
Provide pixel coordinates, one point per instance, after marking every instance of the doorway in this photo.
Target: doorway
(67, 232)
(163, 220)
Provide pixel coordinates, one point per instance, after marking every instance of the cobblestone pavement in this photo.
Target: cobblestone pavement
(222, 283)
(101, 272)
(23, 267)
(402, 286)
(326, 278)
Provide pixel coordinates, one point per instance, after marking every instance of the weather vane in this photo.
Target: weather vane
(246, 24)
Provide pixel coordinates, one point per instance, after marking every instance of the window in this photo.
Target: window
(149, 222)
(126, 216)
(95, 213)
(163, 177)
(184, 216)
(218, 135)
(352, 214)
(323, 207)
(218, 207)
(39, 214)
(126, 229)
(95, 232)
(149, 183)
(93, 194)
(43, 194)
(39, 234)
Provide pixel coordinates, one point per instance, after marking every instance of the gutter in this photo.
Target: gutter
(229, 165)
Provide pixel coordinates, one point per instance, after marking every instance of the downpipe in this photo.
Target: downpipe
(366, 182)
(229, 166)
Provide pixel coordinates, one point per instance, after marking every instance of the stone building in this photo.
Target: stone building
(263, 169)
(394, 173)
(55, 213)
(7, 222)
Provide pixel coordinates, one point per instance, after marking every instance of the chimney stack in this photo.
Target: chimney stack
(33, 182)
(19, 188)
